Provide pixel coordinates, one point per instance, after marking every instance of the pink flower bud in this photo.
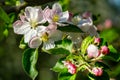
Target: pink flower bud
(71, 67)
(93, 51)
(97, 71)
(86, 14)
(105, 50)
(97, 41)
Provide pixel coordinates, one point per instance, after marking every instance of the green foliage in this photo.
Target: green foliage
(70, 28)
(59, 66)
(4, 16)
(109, 35)
(29, 60)
(62, 47)
(113, 55)
(66, 76)
(85, 43)
(104, 76)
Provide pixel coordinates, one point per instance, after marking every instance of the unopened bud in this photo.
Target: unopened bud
(105, 50)
(97, 41)
(97, 71)
(93, 51)
(71, 67)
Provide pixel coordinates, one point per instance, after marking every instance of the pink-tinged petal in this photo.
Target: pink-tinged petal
(29, 35)
(51, 27)
(48, 14)
(20, 27)
(35, 42)
(85, 24)
(23, 18)
(40, 30)
(64, 17)
(57, 8)
(93, 51)
(31, 13)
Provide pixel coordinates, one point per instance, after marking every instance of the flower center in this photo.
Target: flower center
(33, 24)
(45, 37)
(56, 18)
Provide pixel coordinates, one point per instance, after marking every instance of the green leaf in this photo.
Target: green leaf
(104, 76)
(4, 16)
(5, 32)
(85, 43)
(101, 64)
(22, 44)
(29, 61)
(59, 66)
(66, 76)
(113, 55)
(70, 28)
(62, 47)
(58, 51)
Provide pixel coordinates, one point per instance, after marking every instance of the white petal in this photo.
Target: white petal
(31, 13)
(48, 14)
(29, 35)
(20, 27)
(35, 42)
(48, 45)
(57, 8)
(64, 17)
(40, 30)
(85, 24)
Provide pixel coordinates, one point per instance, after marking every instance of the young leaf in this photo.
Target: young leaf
(4, 16)
(104, 76)
(66, 76)
(29, 61)
(86, 43)
(59, 66)
(70, 28)
(62, 47)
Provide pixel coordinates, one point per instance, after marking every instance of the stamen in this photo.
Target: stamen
(45, 37)
(56, 18)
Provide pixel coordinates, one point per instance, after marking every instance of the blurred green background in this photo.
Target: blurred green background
(106, 16)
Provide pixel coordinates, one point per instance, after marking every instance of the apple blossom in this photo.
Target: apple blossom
(48, 37)
(97, 71)
(93, 51)
(29, 23)
(55, 15)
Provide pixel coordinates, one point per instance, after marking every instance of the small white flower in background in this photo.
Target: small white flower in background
(48, 38)
(85, 24)
(29, 23)
(55, 15)
(93, 51)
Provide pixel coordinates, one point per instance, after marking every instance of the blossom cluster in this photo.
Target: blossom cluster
(32, 25)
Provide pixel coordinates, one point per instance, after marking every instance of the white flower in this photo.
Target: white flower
(55, 15)
(85, 24)
(29, 23)
(93, 51)
(48, 38)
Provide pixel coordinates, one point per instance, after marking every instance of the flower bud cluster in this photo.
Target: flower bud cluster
(70, 66)
(94, 51)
